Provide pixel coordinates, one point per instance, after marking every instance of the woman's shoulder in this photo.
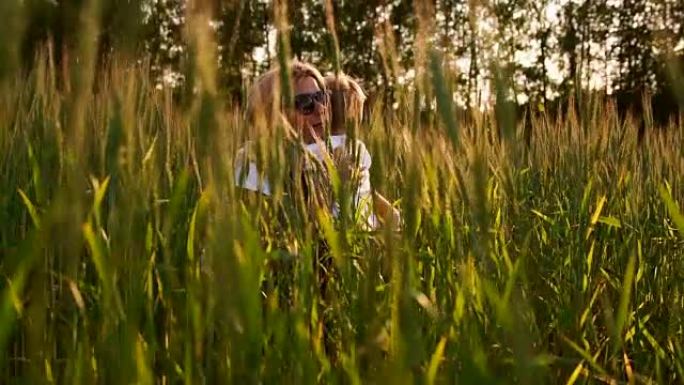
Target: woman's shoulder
(346, 140)
(363, 154)
(359, 149)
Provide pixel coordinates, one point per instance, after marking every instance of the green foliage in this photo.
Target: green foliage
(11, 27)
(549, 252)
(128, 254)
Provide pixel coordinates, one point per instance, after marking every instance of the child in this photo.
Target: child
(347, 99)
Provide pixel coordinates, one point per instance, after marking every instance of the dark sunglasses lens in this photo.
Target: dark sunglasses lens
(304, 103)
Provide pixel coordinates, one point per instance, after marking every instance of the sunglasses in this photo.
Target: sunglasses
(306, 103)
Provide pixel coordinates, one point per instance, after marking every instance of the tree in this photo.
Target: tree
(635, 52)
(242, 27)
(163, 26)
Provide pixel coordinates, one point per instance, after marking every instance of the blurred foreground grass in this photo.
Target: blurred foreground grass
(551, 252)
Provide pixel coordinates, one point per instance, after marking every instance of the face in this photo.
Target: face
(311, 114)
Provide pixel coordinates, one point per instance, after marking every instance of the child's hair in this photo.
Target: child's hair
(347, 101)
(263, 99)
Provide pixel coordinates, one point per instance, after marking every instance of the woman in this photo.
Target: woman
(308, 122)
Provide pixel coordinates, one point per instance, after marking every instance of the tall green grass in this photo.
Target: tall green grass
(128, 256)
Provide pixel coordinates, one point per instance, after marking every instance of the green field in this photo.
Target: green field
(547, 252)
(542, 248)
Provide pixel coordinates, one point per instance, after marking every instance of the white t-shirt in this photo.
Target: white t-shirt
(256, 181)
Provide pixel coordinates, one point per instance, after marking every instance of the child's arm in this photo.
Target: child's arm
(348, 168)
(384, 210)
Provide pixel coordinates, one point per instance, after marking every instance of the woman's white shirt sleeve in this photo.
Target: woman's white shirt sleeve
(247, 175)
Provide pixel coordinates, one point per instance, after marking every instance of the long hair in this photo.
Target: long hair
(264, 107)
(347, 101)
(265, 112)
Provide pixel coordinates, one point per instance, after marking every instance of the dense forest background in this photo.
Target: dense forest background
(547, 50)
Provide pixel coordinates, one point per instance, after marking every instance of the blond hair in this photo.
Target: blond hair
(263, 100)
(353, 98)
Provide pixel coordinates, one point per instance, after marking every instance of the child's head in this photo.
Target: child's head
(347, 101)
(310, 114)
